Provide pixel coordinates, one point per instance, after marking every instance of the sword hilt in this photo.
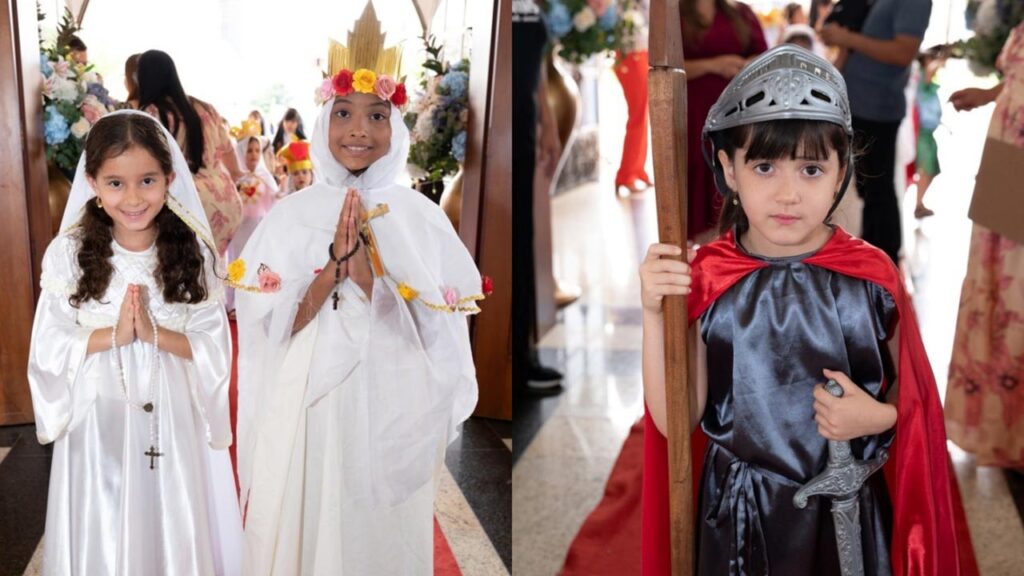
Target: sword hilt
(844, 475)
(833, 388)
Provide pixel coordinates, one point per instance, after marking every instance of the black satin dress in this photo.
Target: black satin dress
(768, 339)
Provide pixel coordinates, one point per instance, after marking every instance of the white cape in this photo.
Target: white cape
(342, 426)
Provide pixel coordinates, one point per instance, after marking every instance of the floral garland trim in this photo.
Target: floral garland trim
(185, 216)
(452, 302)
(269, 281)
(364, 81)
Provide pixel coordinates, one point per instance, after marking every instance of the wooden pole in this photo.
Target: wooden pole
(667, 102)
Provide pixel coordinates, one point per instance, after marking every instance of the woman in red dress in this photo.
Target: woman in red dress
(719, 37)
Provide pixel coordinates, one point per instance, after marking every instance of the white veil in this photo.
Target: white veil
(382, 173)
(261, 171)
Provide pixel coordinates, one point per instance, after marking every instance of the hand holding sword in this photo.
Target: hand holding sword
(841, 408)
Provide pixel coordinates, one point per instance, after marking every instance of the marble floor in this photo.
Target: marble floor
(566, 445)
(472, 506)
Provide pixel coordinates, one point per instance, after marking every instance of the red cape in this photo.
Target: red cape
(918, 473)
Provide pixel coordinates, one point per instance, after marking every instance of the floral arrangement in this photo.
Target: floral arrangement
(73, 100)
(583, 28)
(438, 117)
(365, 81)
(991, 21)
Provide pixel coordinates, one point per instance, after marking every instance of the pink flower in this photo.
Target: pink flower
(385, 86)
(598, 6)
(451, 296)
(269, 280)
(326, 91)
(92, 109)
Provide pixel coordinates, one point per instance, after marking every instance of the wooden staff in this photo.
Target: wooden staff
(667, 101)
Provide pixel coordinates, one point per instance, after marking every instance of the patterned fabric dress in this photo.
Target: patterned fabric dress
(985, 396)
(217, 191)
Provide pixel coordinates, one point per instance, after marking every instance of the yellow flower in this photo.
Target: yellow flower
(407, 292)
(364, 80)
(236, 270)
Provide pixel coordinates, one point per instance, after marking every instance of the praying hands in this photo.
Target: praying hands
(358, 265)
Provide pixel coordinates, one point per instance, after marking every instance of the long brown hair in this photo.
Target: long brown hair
(131, 76)
(773, 140)
(694, 27)
(179, 271)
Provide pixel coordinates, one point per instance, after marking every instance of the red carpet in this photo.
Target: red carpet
(444, 559)
(608, 543)
(609, 540)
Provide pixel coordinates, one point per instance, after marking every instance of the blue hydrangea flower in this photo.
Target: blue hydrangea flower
(455, 83)
(56, 127)
(609, 18)
(459, 146)
(559, 19)
(101, 93)
(44, 66)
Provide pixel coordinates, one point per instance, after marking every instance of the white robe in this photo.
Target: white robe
(342, 426)
(108, 512)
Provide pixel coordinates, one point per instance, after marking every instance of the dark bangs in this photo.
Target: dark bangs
(792, 139)
(775, 140)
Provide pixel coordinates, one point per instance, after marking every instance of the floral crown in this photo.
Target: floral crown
(364, 65)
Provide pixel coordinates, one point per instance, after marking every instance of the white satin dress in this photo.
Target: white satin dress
(108, 512)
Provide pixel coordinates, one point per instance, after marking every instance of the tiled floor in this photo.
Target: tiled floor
(473, 503)
(566, 445)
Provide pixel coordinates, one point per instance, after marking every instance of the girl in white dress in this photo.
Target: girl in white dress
(129, 368)
(355, 365)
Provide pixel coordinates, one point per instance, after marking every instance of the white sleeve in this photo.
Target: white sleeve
(58, 348)
(210, 338)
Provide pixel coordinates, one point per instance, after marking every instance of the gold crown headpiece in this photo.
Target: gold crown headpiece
(247, 129)
(364, 65)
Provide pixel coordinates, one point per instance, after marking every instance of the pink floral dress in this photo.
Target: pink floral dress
(985, 395)
(213, 181)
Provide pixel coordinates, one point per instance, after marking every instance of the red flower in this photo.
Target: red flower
(487, 285)
(399, 98)
(342, 83)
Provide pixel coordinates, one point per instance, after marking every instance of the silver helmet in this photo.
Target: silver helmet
(785, 83)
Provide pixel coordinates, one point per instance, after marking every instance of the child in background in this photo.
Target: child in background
(257, 187)
(929, 113)
(298, 167)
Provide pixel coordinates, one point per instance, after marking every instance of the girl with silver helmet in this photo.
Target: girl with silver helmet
(781, 303)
